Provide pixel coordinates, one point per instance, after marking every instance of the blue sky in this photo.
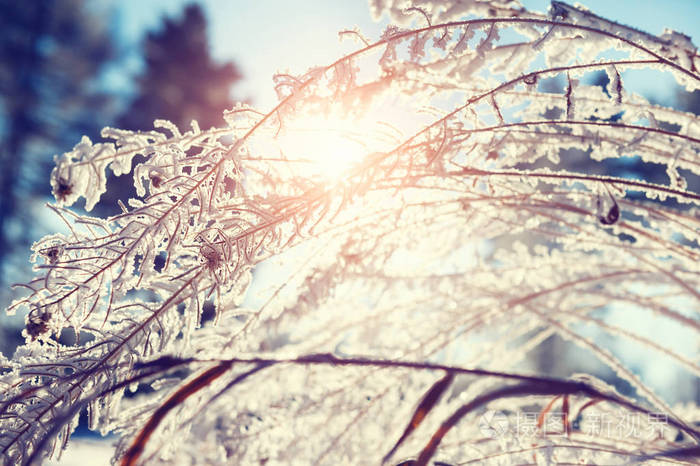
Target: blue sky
(265, 36)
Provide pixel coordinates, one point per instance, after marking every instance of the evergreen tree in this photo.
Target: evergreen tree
(181, 81)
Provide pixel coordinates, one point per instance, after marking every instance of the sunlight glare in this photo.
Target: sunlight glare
(329, 145)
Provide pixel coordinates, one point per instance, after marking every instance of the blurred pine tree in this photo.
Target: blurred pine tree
(181, 81)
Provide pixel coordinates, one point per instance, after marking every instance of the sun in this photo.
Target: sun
(327, 145)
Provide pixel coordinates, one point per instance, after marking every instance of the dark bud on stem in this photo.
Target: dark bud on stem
(612, 216)
(63, 189)
(530, 79)
(37, 323)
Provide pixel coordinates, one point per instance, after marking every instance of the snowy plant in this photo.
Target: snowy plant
(362, 274)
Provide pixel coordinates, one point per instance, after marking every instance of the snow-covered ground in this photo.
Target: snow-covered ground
(83, 452)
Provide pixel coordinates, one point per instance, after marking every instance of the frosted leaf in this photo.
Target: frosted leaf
(614, 84)
(129, 144)
(195, 127)
(487, 43)
(417, 46)
(81, 173)
(239, 115)
(166, 124)
(570, 99)
(389, 56)
(463, 42)
(683, 47)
